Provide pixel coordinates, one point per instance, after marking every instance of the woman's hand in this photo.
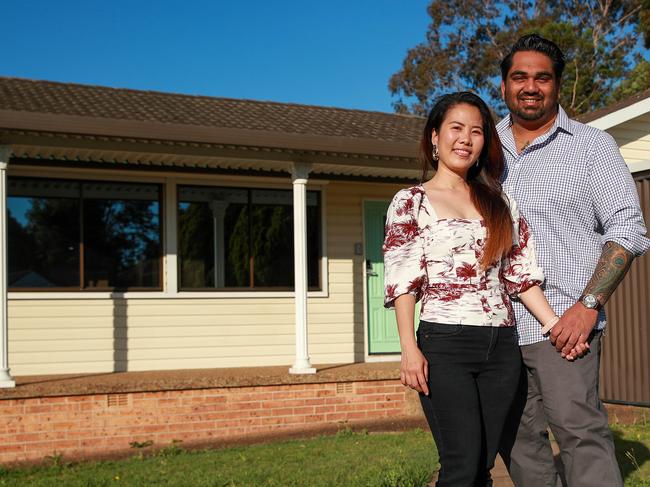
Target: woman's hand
(578, 351)
(414, 370)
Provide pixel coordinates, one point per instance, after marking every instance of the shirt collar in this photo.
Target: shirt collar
(562, 122)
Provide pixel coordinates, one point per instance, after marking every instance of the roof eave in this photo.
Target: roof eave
(622, 115)
(106, 127)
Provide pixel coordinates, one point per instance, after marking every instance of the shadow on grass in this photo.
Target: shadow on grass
(631, 455)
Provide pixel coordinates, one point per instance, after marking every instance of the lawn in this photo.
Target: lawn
(344, 459)
(351, 459)
(633, 453)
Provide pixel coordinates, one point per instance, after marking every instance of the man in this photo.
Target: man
(579, 199)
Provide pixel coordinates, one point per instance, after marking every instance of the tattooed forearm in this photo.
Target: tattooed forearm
(612, 266)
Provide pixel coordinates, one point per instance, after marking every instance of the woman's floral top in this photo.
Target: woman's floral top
(437, 261)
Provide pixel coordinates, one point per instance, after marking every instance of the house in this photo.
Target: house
(149, 231)
(156, 231)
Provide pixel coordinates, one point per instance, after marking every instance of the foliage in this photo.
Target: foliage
(465, 43)
(637, 80)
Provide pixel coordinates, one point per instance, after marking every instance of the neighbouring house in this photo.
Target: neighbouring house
(151, 231)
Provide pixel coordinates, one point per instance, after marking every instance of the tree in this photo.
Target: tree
(465, 43)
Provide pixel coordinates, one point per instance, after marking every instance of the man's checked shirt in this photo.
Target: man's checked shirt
(576, 193)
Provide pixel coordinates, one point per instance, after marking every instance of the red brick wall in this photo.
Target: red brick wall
(102, 424)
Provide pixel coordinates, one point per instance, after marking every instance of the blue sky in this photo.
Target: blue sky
(332, 53)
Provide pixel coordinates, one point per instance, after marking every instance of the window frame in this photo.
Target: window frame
(255, 290)
(81, 250)
(169, 180)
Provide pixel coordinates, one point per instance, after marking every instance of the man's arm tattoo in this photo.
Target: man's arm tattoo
(612, 266)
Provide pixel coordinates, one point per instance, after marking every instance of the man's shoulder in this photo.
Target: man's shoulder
(585, 132)
(503, 124)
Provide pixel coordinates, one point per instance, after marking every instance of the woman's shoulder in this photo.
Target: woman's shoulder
(407, 200)
(409, 193)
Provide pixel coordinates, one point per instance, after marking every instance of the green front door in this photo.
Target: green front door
(382, 325)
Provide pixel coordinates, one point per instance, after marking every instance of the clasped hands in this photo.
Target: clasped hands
(571, 332)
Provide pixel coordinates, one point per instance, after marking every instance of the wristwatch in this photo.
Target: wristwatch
(590, 301)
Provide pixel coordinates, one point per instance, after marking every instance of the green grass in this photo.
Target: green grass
(633, 453)
(345, 459)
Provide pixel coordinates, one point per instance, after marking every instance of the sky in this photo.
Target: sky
(332, 53)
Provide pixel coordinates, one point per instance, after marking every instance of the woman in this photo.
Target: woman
(457, 244)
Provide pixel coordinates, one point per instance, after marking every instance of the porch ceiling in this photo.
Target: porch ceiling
(51, 149)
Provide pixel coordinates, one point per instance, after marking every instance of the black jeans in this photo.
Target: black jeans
(473, 376)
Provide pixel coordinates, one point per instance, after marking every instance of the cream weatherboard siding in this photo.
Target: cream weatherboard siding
(54, 336)
(633, 138)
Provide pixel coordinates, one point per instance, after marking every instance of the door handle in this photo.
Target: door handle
(369, 271)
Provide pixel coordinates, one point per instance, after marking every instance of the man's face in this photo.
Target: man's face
(530, 89)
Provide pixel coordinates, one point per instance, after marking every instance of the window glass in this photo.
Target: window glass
(121, 227)
(90, 235)
(242, 238)
(209, 215)
(43, 233)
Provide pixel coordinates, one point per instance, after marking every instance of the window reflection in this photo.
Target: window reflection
(67, 234)
(122, 235)
(43, 233)
(242, 238)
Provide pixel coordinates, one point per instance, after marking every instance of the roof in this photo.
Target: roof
(99, 102)
(619, 112)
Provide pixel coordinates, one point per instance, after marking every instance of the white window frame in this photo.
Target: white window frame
(170, 182)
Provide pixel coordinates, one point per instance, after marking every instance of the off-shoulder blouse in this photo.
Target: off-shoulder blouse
(437, 261)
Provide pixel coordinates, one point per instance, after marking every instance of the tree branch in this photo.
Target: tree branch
(574, 93)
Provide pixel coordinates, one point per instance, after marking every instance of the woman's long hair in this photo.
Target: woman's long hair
(483, 180)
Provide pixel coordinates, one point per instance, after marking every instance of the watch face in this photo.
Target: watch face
(590, 301)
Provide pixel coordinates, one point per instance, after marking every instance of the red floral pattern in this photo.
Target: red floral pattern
(437, 261)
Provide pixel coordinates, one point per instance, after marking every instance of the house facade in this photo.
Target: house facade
(150, 231)
(153, 231)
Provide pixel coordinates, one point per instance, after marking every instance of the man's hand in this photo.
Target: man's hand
(414, 370)
(570, 334)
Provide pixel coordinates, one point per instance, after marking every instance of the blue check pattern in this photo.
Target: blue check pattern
(576, 193)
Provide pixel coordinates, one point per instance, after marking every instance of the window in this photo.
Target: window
(235, 238)
(73, 235)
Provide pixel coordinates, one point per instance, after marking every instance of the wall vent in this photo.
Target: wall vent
(117, 400)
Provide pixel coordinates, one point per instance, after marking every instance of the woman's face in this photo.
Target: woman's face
(460, 140)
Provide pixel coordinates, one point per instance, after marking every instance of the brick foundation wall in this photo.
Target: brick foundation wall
(90, 426)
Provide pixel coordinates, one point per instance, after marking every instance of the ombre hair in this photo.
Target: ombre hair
(483, 178)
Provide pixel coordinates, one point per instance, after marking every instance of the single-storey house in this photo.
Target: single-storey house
(151, 231)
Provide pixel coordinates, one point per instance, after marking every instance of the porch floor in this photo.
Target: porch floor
(166, 380)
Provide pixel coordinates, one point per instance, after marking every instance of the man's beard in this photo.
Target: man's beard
(514, 108)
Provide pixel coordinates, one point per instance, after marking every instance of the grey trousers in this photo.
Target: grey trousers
(562, 395)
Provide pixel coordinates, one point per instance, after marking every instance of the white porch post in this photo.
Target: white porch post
(300, 174)
(5, 377)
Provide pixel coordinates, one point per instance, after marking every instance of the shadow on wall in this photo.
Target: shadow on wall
(120, 333)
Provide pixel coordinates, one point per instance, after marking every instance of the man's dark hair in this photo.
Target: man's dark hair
(535, 42)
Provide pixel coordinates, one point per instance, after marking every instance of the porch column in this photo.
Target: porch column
(5, 377)
(299, 175)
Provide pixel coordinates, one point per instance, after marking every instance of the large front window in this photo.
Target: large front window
(235, 238)
(76, 235)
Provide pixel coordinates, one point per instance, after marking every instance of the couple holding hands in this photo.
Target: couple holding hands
(512, 247)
